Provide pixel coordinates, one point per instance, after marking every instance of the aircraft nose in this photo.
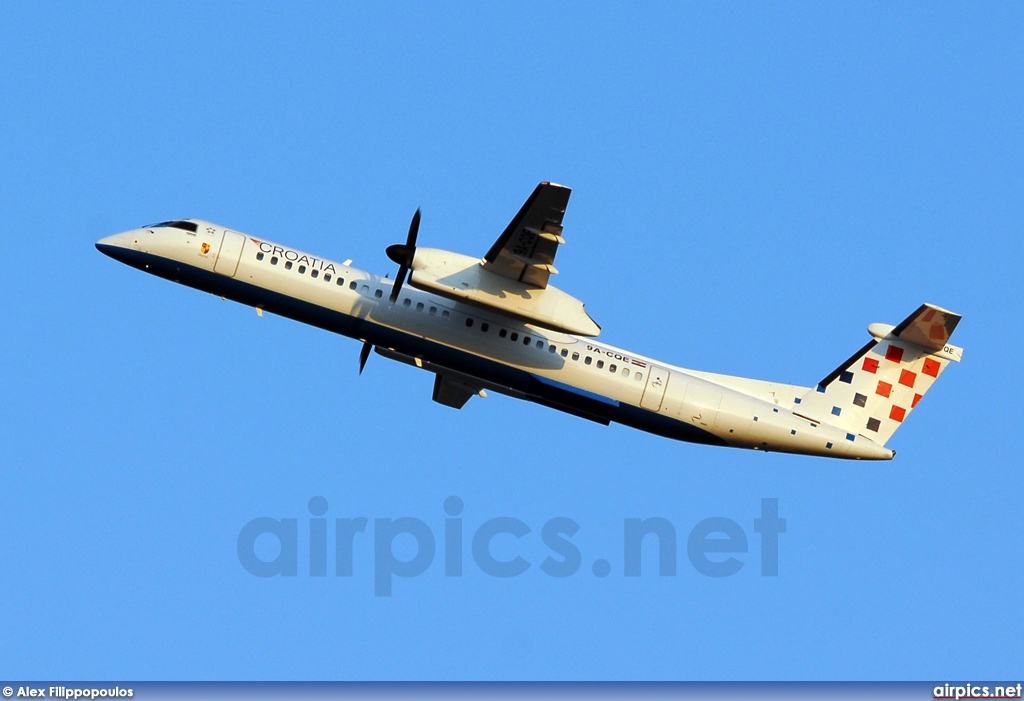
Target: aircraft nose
(116, 244)
(121, 246)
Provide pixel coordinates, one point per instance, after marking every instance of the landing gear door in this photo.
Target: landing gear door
(230, 252)
(654, 392)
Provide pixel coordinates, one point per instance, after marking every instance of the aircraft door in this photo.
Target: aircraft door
(700, 404)
(230, 253)
(654, 392)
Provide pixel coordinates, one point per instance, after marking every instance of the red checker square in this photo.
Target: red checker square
(928, 315)
(884, 388)
(937, 332)
(894, 353)
(871, 365)
(897, 413)
(931, 367)
(917, 398)
(907, 378)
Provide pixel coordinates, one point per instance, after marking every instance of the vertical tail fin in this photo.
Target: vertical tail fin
(874, 391)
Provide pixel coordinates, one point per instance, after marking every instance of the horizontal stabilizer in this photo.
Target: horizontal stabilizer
(929, 327)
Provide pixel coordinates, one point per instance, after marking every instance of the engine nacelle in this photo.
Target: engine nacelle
(464, 279)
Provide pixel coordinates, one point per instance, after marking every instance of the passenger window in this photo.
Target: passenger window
(625, 372)
(540, 344)
(639, 376)
(469, 322)
(484, 327)
(600, 364)
(588, 360)
(327, 277)
(377, 294)
(433, 311)
(273, 260)
(406, 302)
(565, 352)
(419, 306)
(515, 336)
(288, 265)
(314, 272)
(445, 314)
(302, 270)
(364, 289)
(503, 333)
(259, 256)
(551, 349)
(352, 285)
(526, 340)
(575, 356)
(341, 281)
(612, 368)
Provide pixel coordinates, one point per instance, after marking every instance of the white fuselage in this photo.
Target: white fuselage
(485, 348)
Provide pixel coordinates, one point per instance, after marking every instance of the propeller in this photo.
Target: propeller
(403, 255)
(364, 353)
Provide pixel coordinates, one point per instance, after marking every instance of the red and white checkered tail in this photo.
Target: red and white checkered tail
(873, 392)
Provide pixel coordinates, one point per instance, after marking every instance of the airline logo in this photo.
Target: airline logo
(294, 256)
(205, 248)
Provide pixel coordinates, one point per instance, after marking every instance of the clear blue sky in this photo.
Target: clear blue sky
(752, 185)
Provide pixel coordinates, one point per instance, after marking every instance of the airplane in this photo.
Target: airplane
(495, 323)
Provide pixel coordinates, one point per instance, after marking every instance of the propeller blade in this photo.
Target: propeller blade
(399, 281)
(414, 230)
(403, 254)
(363, 355)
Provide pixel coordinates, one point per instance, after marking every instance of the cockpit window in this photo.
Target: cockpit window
(178, 224)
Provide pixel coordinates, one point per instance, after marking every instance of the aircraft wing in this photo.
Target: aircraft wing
(525, 251)
(513, 277)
